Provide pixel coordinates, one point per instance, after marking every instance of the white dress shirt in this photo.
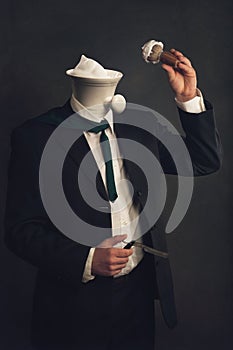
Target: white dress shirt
(124, 216)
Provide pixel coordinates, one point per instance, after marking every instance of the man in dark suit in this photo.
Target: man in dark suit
(74, 311)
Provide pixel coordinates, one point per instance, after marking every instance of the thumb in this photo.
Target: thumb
(110, 242)
(170, 71)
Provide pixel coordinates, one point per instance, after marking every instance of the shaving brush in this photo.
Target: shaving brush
(152, 51)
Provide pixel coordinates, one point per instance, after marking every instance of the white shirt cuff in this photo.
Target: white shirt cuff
(87, 276)
(195, 105)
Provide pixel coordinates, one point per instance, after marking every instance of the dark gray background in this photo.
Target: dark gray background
(39, 41)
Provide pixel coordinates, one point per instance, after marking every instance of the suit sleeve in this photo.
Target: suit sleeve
(28, 231)
(202, 141)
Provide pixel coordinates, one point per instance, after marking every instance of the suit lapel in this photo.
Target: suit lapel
(80, 148)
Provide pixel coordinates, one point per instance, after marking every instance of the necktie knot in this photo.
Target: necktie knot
(100, 127)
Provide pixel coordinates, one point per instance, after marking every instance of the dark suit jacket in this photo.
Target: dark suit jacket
(60, 261)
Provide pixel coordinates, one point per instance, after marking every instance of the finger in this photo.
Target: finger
(122, 253)
(170, 71)
(115, 260)
(168, 68)
(116, 267)
(186, 61)
(177, 53)
(181, 57)
(120, 261)
(186, 69)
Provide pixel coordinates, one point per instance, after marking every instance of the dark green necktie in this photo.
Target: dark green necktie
(106, 150)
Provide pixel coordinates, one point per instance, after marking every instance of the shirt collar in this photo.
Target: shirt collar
(86, 113)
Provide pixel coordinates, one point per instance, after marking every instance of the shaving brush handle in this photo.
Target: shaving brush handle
(168, 58)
